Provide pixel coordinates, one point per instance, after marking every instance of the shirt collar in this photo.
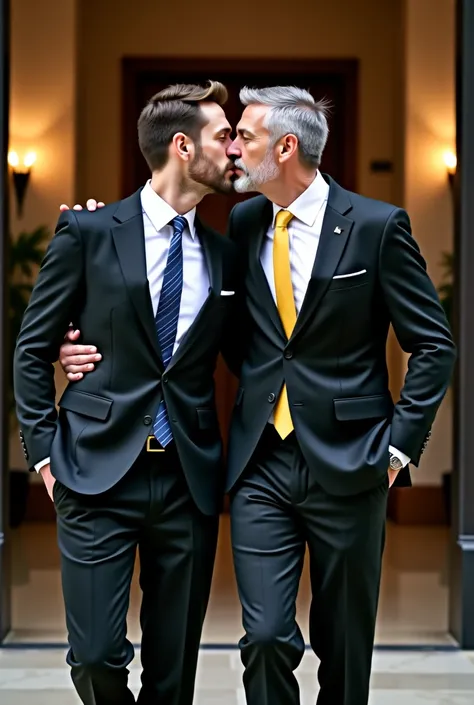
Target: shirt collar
(307, 206)
(160, 212)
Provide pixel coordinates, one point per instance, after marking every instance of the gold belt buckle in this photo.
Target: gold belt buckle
(153, 450)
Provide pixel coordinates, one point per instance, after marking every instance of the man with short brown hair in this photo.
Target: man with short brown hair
(176, 109)
(134, 457)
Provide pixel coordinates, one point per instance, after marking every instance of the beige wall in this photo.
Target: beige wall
(42, 103)
(42, 113)
(109, 29)
(370, 30)
(430, 130)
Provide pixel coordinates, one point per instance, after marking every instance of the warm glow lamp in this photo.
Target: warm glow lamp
(450, 161)
(21, 175)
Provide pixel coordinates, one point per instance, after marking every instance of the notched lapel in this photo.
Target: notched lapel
(335, 232)
(212, 255)
(258, 279)
(129, 239)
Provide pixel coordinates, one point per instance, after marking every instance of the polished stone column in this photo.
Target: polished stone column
(4, 361)
(461, 613)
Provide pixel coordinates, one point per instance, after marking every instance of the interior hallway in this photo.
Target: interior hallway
(413, 604)
(415, 658)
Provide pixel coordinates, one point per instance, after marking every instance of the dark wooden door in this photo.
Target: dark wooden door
(331, 79)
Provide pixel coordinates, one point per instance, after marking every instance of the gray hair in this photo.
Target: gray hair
(293, 111)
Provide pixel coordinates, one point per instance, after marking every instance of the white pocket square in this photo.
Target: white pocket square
(227, 293)
(352, 274)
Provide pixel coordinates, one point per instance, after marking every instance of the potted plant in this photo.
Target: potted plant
(445, 289)
(26, 254)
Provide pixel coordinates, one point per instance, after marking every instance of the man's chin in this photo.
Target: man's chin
(242, 185)
(231, 186)
(224, 188)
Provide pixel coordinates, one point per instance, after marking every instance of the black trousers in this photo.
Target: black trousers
(150, 508)
(277, 509)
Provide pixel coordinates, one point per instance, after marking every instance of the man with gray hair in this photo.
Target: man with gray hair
(316, 440)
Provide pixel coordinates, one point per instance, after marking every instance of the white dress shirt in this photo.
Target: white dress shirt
(304, 231)
(157, 214)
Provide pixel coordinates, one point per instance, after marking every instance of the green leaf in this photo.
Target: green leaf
(446, 288)
(27, 250)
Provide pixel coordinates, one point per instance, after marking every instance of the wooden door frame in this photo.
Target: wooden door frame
(133, 67)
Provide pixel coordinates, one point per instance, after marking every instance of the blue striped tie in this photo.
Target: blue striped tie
(166, 319)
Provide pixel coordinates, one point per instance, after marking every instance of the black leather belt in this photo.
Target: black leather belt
(152, 445)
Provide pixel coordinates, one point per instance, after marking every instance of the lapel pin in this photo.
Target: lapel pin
(338, 230)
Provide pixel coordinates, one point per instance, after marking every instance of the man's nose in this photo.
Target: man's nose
(233, 150)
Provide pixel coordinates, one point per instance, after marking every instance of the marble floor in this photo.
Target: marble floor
(39, 677)
(413, 602)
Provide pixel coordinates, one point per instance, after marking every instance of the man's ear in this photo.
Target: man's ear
(183, 146)
(287, 147)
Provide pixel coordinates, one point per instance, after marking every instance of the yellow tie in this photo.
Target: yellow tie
(286, 308)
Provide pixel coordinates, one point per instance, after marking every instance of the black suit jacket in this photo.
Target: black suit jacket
(335, 361)
(94, 273)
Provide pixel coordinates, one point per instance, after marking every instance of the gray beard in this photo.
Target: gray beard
(266, 171)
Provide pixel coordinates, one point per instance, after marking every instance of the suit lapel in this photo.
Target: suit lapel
(335, 232)
(262, 291)
(129, 239)
(195, 329)
(213, 257)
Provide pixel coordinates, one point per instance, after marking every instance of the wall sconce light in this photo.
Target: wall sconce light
(21, 176)
(450, 161)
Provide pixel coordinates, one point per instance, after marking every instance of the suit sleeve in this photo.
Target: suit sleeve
(52, 305)
(422, 330)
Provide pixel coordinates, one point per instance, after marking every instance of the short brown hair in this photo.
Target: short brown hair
(174, 109)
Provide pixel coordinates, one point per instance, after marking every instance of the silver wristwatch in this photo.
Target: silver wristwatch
(395, 463)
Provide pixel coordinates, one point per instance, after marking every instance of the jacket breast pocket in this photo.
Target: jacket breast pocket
(351, 281)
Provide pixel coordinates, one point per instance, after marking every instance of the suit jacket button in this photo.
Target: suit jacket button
(288, 354)
(147, 420)
(271, 398)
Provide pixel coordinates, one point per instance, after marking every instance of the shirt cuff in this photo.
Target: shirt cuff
(401, 456)
(42, 463)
